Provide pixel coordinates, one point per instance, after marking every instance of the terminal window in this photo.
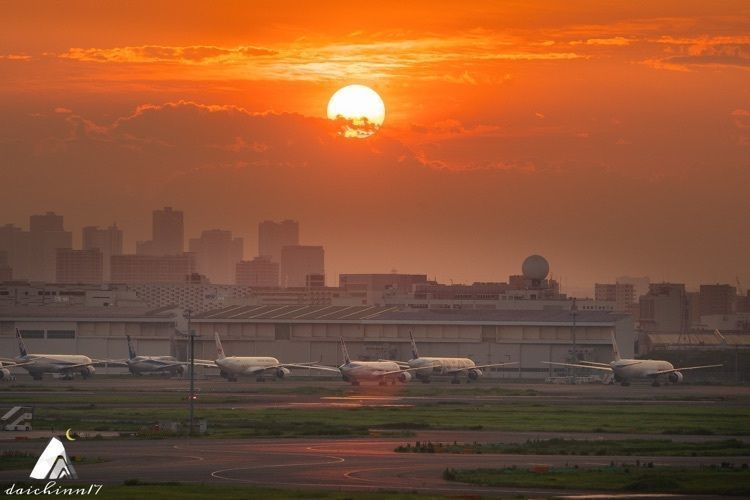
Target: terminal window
(61, 334)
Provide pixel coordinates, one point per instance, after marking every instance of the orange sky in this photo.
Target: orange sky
(614, 139)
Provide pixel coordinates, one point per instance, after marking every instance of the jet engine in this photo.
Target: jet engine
(475, 374)
(675, 377)
(404, 377)
(87, 371)
(4, 374)
(282, 372)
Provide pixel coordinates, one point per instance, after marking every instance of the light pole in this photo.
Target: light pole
(191, 394)
(574, 311)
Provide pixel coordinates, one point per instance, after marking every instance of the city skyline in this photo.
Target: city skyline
(130, 246)
(612, 139)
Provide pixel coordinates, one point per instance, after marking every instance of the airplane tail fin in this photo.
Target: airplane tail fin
(219, 348)
(414, 351)
(21, 345)
(615, 349)
(345, 351)
(131, 349)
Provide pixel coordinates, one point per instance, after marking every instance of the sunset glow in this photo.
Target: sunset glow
(492, 107)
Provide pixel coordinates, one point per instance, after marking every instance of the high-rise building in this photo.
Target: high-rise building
(15, 242)
(46, 235)
(217, 254)
(168, 232)
(108, 241)
(259, 272)
(640, 284)
(152, 268)
(299, 261)
(717, 299)
(78, 266)
(273, 236)
(46, 222)
(622, 294)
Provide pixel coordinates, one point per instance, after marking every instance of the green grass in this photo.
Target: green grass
(289, 422)
(135, 489)
(625, 447)
(707, 480)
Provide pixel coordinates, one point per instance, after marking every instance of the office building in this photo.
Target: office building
(217, 254)
(259, 272)
(6, 272)
(273, 236)
(167, 234)
(717, 299)
(108, 241)
(79, 266)
(665, 308)
(622, 294)
(299, 261)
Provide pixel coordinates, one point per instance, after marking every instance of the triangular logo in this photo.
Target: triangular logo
(54, 463)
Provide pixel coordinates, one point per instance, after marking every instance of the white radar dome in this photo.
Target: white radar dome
(535, 267)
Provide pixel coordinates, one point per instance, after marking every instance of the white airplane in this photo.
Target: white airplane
(260, 367)
(139, 365)
(624, 370)
(66, 365)
(382, 371)
(426, 367)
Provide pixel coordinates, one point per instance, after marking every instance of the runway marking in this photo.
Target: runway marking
(218, 473)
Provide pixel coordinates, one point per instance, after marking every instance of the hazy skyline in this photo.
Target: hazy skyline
(612, 139)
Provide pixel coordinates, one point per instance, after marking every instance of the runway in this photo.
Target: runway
(341, 464)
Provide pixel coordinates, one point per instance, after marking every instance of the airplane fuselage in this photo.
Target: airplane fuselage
(245, 365)
(626, 369)
(39, 364)
(151, 364)
(356, 371)
(439, 366)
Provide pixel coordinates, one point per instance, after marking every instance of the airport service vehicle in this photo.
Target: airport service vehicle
(426, 367)
(168, 365)
(382, 371)
(66, 365)
(260, 367)
(624, 370)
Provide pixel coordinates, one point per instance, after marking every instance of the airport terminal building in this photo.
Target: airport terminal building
(297, 333)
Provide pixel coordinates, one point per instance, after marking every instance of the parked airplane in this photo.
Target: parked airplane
(624, 370)
(63, 364)
(139, 365)
(382, 371)
(260, 367)
(5, 373)
(428, 366)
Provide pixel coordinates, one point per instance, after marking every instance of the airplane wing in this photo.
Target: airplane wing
(402, 364)
(6, 364)
(664, 372)
(574, 365)
(73, 367)
(292, 365)
(393, 372)
(594, 363)
(494, 364)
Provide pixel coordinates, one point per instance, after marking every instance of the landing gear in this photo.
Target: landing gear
(382, 382)
(625, 383)
(455, 381)
(36, 376)
(425, 381)
(355, 382)
(655, 383)
(260, 379)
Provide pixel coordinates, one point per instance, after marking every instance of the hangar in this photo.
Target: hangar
(296, 333)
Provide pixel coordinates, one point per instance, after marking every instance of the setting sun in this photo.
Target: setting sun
(361, 107)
